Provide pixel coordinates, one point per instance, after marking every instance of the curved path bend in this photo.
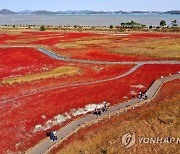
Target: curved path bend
(58, 57)
(46, 145)
(69, 129)
(62, 58)
(73, 85)
(55, 56)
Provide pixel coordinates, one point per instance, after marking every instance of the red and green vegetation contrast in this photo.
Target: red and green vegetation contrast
(36, 89)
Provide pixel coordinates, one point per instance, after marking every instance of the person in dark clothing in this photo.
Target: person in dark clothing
(99, 112)
(140, 95)
(51, 135)
(105, 106)
(54, 136)
(145, 96)
(96, 112)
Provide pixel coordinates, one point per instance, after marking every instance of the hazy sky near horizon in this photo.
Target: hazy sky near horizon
(106, 5)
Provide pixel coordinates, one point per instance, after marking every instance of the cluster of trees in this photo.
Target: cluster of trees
(42, 28)
(132, 24)
(173, 23)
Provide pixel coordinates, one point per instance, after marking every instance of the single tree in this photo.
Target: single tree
(42, 28)
(150, 27)
(174, 23)
(132, 22)
(162, 23)
(122, 24)
(111, 26)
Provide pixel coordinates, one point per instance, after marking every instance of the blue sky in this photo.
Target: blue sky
(106, 5)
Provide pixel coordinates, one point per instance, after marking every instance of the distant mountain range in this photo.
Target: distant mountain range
(5, 11)
(44, 12)
(172, 12)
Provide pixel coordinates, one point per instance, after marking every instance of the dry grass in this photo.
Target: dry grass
(164, 48)
(100, 37)
(26, 40)
(161, 118)
(11, 32)
(82, 42)
(59, 71)
(94, 42)
(167, 48)
(69, 45)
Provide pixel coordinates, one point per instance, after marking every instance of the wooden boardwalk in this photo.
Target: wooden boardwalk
(45, 145)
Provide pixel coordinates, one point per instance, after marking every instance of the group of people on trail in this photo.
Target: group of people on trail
(98, 111)
(142, 95)
(53, 136)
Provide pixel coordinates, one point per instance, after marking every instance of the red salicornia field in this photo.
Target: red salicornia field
(39, 93)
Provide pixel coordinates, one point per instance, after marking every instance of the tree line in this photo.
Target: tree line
(133, 24)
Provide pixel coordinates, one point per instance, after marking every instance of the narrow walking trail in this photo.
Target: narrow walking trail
(55, 56)
(45, 145)
(61, 58)
(72, 85)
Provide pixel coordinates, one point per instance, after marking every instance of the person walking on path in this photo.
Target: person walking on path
(96, 112)
(145, 96)
(105, 106)
(51, 135)
(99, 112)
(140, 95)
(54, 136)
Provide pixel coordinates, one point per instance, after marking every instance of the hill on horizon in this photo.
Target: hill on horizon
(45, 12)
(6, 11)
